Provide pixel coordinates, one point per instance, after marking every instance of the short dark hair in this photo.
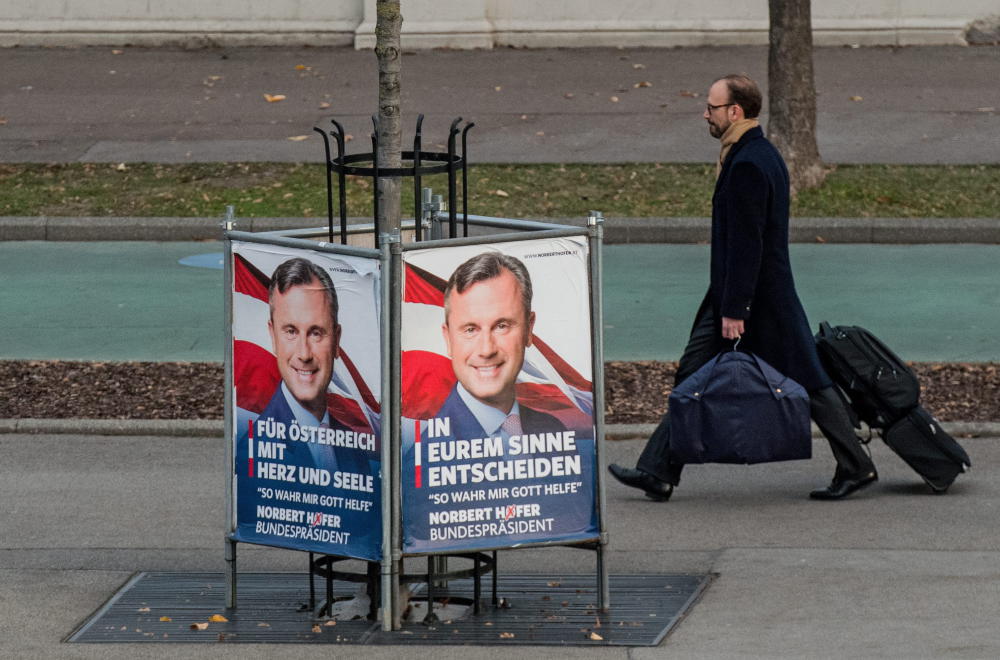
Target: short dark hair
(484, 267)
(744, 92)
(298, 272)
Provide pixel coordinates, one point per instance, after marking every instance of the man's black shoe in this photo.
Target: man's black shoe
(655, 489)
(841, 488)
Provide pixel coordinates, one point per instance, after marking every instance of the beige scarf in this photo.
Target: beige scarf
(731, 137)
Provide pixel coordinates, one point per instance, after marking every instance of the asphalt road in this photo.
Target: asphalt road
(885, 105)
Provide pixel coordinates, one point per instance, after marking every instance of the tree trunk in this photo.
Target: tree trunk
(387, 49)
(792, 92)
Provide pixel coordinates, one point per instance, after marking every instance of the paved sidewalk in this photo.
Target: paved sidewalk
(886, 105)
(893, 572)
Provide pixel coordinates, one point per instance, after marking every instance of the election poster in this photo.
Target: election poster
(306, 379)
(497, 396)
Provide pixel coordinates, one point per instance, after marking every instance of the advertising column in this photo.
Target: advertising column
(306, 378)
(497, 397)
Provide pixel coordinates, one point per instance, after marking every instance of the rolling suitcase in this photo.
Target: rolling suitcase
(933, 454)
(884, 393)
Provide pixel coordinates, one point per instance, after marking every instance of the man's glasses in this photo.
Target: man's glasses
(709, 107)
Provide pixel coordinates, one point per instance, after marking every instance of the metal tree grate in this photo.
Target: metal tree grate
(175, 607)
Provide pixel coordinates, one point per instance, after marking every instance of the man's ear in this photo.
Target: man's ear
(270, 331)
(337, 332)
(447, 337)
(531, 328)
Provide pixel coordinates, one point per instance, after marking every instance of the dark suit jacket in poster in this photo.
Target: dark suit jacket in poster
(751, 276)
(465, 425)
(321, 456)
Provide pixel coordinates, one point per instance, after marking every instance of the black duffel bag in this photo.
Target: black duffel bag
(739, 409)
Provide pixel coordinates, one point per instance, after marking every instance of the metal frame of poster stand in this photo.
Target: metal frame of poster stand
(507, 230)
(444, 231)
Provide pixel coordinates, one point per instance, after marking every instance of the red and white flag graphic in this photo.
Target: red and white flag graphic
(255, 370)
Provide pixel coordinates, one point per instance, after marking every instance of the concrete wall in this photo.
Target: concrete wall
(477, 23)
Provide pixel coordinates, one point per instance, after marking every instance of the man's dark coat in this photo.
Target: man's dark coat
(751, 277)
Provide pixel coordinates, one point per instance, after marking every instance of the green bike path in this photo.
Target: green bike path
(124, 301)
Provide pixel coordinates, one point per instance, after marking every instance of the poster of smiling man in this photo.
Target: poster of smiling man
(306, 378)
(498, 428)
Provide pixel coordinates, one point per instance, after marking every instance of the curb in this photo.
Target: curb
(213, 428)
(957, 429)
(616, 230)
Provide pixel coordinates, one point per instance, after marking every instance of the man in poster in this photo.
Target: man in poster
(486, 469)
(487, 327)
(296, 445)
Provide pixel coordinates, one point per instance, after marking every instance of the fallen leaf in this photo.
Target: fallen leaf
(317, 629)
(501, 193)
(285, 196)
(820, 239)
(497, 88)
(554, 584)
(348, 137)
(121, 168)
(524, 117)
(689, 94)
(488, 623)
(142, 609)
(117, 52)
(857, 98)
(331, 622)
(263, 625)
(165, 618)
(298, 138)
(221, 637)
(302, 67)
(597, 638)
(540, 133)
(3, 121)
(324, 105)
(506, 635)
(568, 95)
(643, 83)
(218, 618)
(638, 66)
(215, 78)
(614, 99)
(199, 626)
(274, 98)
(987, 109)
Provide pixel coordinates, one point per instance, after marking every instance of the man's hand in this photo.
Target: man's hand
(731, 328)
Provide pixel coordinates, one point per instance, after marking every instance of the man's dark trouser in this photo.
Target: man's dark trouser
(825, 406)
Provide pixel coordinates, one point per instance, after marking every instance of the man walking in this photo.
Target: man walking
(751, 294)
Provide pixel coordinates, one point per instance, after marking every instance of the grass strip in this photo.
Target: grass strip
(521, 191)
